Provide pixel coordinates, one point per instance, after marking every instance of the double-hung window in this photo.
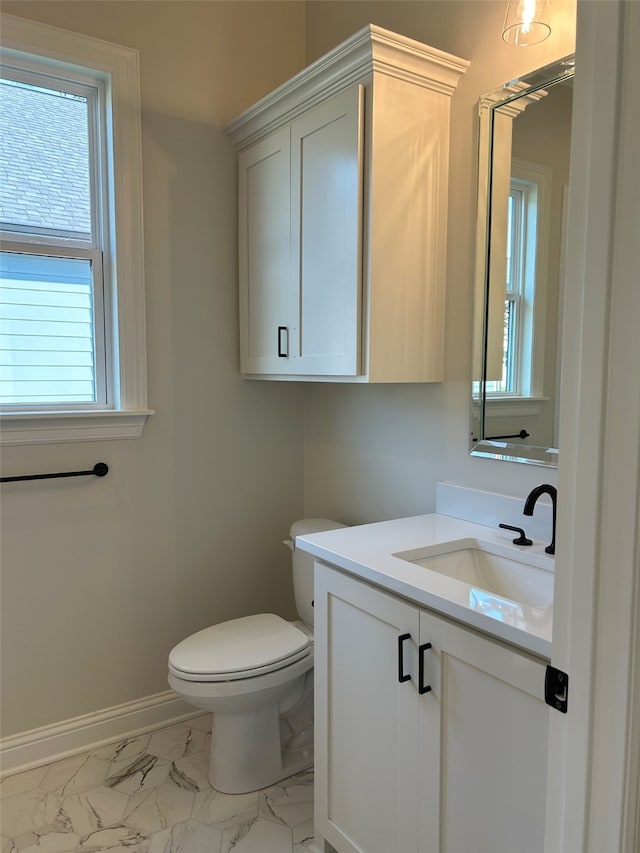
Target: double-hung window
(54, 346)
(525, 285)
(72, 344)
(515, 306)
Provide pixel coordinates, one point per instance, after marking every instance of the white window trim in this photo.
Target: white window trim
(512, 406)
(121, 66)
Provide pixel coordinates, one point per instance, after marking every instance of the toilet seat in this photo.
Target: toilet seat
(240, 648)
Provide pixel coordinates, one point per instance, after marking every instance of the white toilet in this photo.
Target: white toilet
(256, 675)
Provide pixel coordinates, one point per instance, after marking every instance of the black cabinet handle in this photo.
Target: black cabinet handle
(283, 351)
(422, 687)
(402, 676)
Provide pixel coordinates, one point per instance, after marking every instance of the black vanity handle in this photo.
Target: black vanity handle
(283, 351)
(402, 676)
(422, 687)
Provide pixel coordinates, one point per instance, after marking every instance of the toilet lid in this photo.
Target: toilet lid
(239, 648)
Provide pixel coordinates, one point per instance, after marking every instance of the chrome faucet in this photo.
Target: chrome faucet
(529, 504)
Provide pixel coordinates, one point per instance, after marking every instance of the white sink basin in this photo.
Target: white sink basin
(506, 586)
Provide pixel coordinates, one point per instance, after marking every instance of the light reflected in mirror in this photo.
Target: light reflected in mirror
(523, 185)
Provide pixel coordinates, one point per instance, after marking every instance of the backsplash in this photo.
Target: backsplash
(492, 509)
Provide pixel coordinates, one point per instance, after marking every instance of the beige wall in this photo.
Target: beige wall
(378, 452)
(100, 578)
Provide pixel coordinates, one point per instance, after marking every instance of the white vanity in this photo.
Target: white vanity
(432, 639)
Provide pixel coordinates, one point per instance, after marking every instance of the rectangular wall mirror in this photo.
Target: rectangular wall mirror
(523, 185)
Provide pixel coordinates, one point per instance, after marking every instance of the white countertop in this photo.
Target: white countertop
(367, 552)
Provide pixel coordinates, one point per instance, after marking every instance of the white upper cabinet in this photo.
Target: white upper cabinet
(343, 178)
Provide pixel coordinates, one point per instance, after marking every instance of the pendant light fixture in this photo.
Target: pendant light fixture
(526, 22)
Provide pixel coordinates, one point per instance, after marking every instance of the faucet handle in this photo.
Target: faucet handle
(521, 539)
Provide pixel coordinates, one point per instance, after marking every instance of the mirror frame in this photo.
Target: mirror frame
(521, 88)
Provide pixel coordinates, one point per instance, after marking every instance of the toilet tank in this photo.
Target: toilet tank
(303, 563)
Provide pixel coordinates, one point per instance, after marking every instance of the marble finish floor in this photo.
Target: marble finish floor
(150, 794)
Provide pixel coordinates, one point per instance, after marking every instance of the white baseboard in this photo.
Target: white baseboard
(90, 731)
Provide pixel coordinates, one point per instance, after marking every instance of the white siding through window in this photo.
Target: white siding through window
(46, 330)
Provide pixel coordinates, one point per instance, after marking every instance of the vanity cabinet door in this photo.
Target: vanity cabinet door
(366, 720)
(486, 719)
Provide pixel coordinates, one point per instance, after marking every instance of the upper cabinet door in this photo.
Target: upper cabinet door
(267, 309)
(326, 233)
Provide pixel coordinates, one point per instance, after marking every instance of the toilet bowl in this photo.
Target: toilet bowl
(255, 674)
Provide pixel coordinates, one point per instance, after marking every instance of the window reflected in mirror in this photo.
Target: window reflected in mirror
(525, 143)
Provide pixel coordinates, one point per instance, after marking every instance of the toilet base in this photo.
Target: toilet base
(262, 726)
(246, 752)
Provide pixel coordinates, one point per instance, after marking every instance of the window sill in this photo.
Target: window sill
(513, 407)
(57, 427)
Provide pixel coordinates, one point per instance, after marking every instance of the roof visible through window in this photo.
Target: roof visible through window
(44, 160)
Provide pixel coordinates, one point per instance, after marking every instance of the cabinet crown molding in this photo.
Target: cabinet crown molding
(369, 52)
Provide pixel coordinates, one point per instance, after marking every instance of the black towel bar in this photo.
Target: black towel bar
(100, 469)
(522, 434)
